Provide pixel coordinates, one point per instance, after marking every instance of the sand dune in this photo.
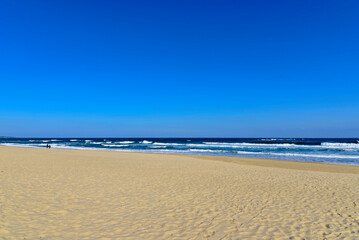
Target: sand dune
(67, 194)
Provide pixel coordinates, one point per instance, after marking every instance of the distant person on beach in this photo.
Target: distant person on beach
(47, 145)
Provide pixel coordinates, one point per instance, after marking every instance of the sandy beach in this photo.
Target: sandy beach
(71, 194)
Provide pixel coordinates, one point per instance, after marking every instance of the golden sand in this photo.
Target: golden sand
(68, 194)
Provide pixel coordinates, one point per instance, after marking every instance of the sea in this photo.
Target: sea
(321, 150)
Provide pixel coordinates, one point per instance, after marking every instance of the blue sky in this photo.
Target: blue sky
(179, 68)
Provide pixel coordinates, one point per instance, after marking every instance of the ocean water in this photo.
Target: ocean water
(324, 150)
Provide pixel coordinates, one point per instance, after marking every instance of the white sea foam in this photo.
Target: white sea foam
(168, 144)
(203, 150)
(302, 155)
(343, 146)
(146, 142)
(125, 142)
(340, 145)
(245, 145)
(61, 146)
(115, 145)
(26, 145)
(73, 140)
(163, 150)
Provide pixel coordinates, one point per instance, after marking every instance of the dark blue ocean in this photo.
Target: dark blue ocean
(324, 150)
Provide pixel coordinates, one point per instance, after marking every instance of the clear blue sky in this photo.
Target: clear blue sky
(179, 68)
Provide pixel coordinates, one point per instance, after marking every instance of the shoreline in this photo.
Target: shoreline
(262, 162)
(341, 151)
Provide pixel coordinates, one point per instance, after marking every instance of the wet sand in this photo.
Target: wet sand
(69, 194)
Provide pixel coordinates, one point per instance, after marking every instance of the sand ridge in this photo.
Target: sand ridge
(68, 194)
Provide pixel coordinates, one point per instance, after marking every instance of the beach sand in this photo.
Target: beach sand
(69, 194)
